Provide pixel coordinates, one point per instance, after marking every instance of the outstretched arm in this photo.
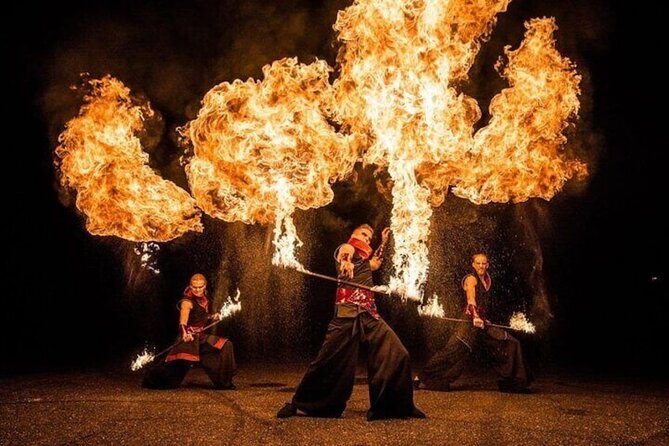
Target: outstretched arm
(472, 310)
(186, 335)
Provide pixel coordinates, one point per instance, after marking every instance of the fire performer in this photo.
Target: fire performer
(214, 353)
(504, 350)
(328, 383)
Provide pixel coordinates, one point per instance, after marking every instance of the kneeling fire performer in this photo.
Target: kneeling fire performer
(328, 383)
(214, 353)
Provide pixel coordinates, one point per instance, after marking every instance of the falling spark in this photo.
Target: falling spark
(262, 149)
(100, 156)
(519, 322)
(142, 359)
(231, 306)
(432, 308)
(147, 252)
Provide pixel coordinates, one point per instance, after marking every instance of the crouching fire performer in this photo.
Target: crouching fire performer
(214, 353)
(504, 350)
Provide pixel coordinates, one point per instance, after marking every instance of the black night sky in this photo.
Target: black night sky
(76, 300)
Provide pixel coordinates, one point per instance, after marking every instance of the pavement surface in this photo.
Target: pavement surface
(109, 407)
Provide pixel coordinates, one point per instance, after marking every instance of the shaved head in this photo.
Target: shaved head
(198, 284)
(198, 278)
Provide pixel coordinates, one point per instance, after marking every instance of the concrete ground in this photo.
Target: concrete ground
(108, 407)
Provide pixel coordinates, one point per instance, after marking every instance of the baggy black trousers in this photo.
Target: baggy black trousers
(328, 383)
(219, 365)
(503, 350)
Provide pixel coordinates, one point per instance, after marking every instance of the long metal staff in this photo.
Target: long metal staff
(385, 291)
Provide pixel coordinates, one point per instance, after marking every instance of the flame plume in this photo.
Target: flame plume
(101, 157)
(265, 148)
(517, 155)
(399, 61)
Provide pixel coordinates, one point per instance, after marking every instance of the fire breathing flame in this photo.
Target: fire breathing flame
(231, 306)
(519, 322)
(141, 360)
(432, 308)
(263, 149)
(518, 155)
(400, 61)
(100, 156)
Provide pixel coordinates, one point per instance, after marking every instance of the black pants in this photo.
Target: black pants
(328, 383)
(219, 365)
(504, 352)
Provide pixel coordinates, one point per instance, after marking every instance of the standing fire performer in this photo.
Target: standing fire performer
(504, 350)
(214, 353)
(328, 383)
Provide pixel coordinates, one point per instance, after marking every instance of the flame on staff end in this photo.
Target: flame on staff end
(230, 306)
(142, 359)
(519, 322)
(432, 308)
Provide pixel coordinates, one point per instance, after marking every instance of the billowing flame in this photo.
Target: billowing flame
(519, 321)
(265, 148)
(262, 149)
(141, 360)
(432, 308)
(231, 306)
(101, 157)
(399, 62)
(517, 155)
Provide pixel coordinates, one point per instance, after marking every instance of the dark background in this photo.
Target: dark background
(77, 300)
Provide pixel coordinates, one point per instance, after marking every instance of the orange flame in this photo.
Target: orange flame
(518, 155)
(101, 157)
(264, 148)
(398, 62)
